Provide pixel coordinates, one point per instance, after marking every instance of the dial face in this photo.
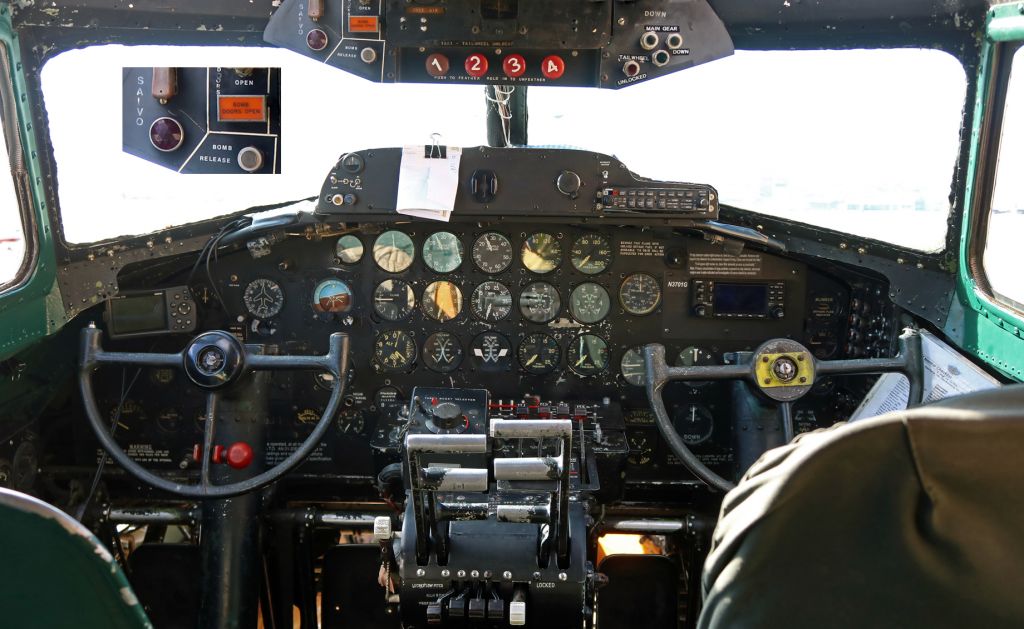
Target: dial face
(492, 252)
(589, 303)
(491, 352)
(442, 352)
(351, 422)
(169, 420)
(491, 301)
(591, 254)
(395, 350)
(632, 367)
(640, 294)
(694, 357)
(539, 354)
(393, 251)
(393, 300)
(542, 253)
(694, 423)
(588, 354)
(263, 298)
(539, 302)
(442, 301)
(349, 249)
(332, 296)
(130, 416)
(443, 252)
(641, 448)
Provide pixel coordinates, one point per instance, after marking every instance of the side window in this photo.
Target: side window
(1004, 256)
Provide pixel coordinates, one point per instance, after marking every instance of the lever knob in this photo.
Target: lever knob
(382, 529)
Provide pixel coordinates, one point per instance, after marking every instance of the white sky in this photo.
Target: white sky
(779, 132)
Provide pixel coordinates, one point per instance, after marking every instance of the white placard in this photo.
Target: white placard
(427, 185)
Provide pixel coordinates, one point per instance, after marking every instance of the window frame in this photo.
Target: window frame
(16, 151)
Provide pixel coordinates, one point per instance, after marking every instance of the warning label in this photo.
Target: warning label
(146, 453)
(641, 249)
(724, 265)
(278, 451)
(241, 108)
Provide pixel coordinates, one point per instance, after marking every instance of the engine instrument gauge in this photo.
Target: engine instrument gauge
(349, 249)
(588, 354)
(491, 352)
(263, 298)
(492, 253)
(394, 251)
(694, 357)
(169, 420)
(589, 303)
(442, 252)
(351, 422)
(539, 354)
(333, 296)
(542, 253)
(442, 352)
(540, 302)
(591, 254)
(393, 300)
(641, 448)
(130, 416)
(640, 294)
(394, 350)
(491, 301)
(632, 367)
(442, 301)
(695, 423)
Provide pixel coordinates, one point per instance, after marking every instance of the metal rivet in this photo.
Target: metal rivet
(461, 574)
(446, 573)
(507, 574)
(421, 572)
(562, 576)
(536, 575)
(474, 574)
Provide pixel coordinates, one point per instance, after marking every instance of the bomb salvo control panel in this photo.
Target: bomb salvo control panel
(577, 43)
(204, 120)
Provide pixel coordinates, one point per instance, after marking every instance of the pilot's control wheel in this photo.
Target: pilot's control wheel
(781, 369)
(212, 362)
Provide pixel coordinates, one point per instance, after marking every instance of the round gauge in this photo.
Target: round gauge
(591, 254)
(694, 357)
(393, 300)
(641, 448)
(542, 253)
(332, 296)
(589, 303)
(351, 422)
(349, 249)
(491, 301)
(823, 344)
(539, 302)
(442, 352)
(539, 354)
(393, 251)
(632, 367)
(128, 416)
(694, 423)
(169, 420)
(492, 252)
(491, 351)
(443, 252)
(394, 350)
(161, 376)
(442, 301)
(588, 354)
(263, 298)
(640, 294)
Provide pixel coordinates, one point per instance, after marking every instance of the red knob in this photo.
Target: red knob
(239, 455)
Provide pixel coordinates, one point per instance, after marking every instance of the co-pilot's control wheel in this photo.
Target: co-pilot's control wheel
(781, 369)
(212, 361)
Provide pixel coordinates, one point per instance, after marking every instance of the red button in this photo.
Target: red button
(239, 455)
(553, 67)
(437, 65)
(514, 66)
(476, 65)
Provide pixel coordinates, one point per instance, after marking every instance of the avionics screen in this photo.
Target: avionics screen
(741, 299)
(138, 313)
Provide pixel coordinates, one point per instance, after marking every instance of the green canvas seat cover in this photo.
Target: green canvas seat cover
(913, 519)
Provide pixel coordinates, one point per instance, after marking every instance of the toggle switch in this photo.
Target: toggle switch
(164, 85)
(477, 609)
(315, 9)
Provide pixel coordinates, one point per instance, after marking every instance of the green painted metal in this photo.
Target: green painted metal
(33, 308)
(990, 331)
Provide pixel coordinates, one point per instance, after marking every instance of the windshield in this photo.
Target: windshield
(861, 141)
(105, 193)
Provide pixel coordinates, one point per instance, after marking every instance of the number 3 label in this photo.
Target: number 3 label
(514, 66)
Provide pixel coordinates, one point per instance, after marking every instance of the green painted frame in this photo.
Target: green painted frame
(31, 307)
(978, 323)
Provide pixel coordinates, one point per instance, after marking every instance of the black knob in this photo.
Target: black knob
(700, 310)
(777, 312)
(569, 183)
(446, 415)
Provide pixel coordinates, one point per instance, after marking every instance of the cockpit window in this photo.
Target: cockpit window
(12, 231)
(862, 141)
(105, 193)
(1006, 222)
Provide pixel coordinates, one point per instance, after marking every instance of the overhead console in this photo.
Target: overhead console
(540, 183)
(578, 43)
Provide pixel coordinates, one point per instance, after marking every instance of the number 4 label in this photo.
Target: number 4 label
(553, 67)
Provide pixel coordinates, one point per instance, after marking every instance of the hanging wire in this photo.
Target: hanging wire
(501, 99)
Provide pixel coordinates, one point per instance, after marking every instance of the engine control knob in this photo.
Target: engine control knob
(239, 455)
(250, 159)
(569, 183)
(517, 613)
(446, 415)
(382, 529)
